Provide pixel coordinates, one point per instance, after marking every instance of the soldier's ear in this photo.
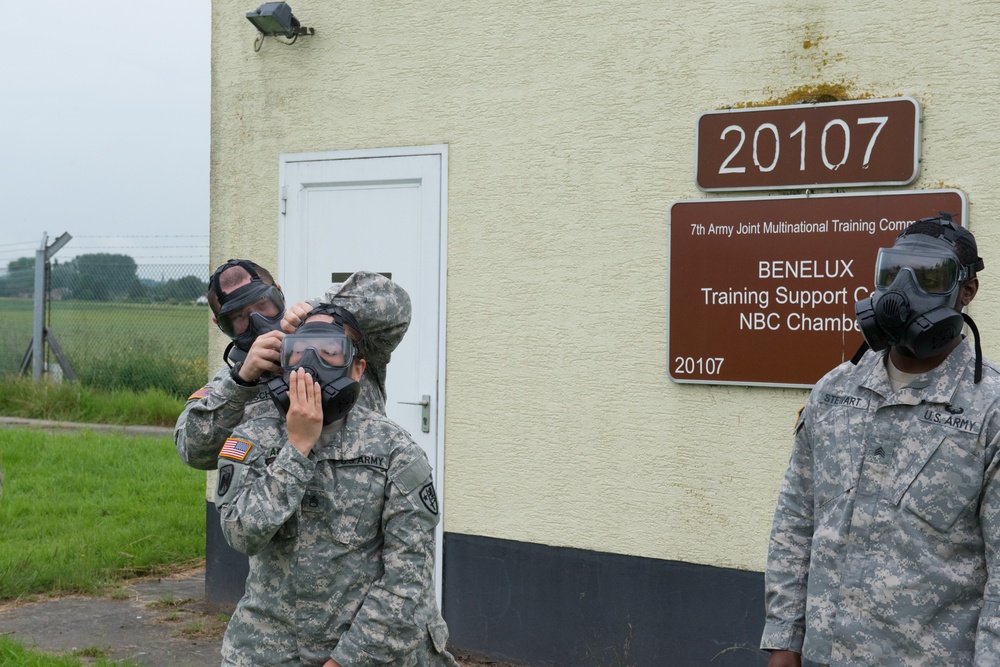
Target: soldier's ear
(968, 292)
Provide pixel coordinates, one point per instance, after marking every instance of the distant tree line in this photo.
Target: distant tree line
(99, 277)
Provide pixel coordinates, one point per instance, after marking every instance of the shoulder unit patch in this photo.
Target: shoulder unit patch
(225, 480)
(429, 498)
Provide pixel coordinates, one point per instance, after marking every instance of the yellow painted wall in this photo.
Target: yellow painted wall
(571, 129)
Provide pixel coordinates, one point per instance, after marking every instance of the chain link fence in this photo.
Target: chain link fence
(118, 325)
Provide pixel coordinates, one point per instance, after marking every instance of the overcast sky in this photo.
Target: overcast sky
(104, 128)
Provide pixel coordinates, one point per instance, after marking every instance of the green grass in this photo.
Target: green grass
(81, 512)
(83, 324)
(74, 402)
(13, 654)
(117, 345)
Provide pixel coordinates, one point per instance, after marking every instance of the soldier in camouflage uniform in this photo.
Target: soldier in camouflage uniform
(884, 548)
(239, 392)
(338, 520)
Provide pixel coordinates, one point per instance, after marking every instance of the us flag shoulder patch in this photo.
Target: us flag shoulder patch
(235, 449)
(201, 393)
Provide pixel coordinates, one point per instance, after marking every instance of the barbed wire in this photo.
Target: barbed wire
(174, 260)
(103, 239)
(146, 259)
(11, 251)
(113, 251)
(145, 236)
(127, 236)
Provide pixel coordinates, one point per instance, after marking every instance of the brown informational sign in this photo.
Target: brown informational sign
(762, 290)
(865, 142)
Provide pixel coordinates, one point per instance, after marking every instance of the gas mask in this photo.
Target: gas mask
(246, 312)
(244, 326)
(326, 351)
(916, 292)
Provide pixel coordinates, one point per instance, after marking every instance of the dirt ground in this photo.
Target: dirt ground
(467, 659)
(162, 622)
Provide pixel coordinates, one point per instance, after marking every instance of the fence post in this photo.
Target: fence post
(42, 257)
(38, 330)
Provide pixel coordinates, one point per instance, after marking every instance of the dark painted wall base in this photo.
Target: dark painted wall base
(226, 569)
(545, 606)
(541, 606)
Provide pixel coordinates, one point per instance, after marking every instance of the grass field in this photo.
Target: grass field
(81, 512)
(73, 402)
(13, 654)
(117, 345)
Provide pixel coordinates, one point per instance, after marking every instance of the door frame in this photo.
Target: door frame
(440, 150)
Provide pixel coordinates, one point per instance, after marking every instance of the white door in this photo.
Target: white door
(383, 211)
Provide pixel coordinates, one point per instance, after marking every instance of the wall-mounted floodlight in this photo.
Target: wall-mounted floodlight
(275, 18)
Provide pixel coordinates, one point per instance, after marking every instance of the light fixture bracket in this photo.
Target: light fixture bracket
(273, 19)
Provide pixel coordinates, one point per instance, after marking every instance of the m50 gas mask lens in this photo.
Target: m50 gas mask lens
(933, 274)
(328, 349)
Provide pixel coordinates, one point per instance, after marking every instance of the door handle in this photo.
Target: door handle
(425, 413)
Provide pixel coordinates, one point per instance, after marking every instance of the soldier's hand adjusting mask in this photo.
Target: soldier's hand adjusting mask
(326, 351)
(916, 292)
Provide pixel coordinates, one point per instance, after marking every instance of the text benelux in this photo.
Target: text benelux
(756, 318)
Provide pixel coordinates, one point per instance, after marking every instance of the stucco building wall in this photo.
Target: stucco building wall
(571, 130)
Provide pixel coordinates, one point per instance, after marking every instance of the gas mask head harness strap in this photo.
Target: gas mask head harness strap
(327, 352)
(917, 288)
(237, 316)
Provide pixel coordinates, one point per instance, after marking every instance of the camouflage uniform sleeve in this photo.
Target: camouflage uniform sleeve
(385, 631)
(382, 308)
(788, 556)
(210, 415)
(255, 498)
(988, 632)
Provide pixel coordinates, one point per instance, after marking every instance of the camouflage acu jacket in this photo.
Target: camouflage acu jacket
(341, 546)
(381, 307)
(884, 548)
